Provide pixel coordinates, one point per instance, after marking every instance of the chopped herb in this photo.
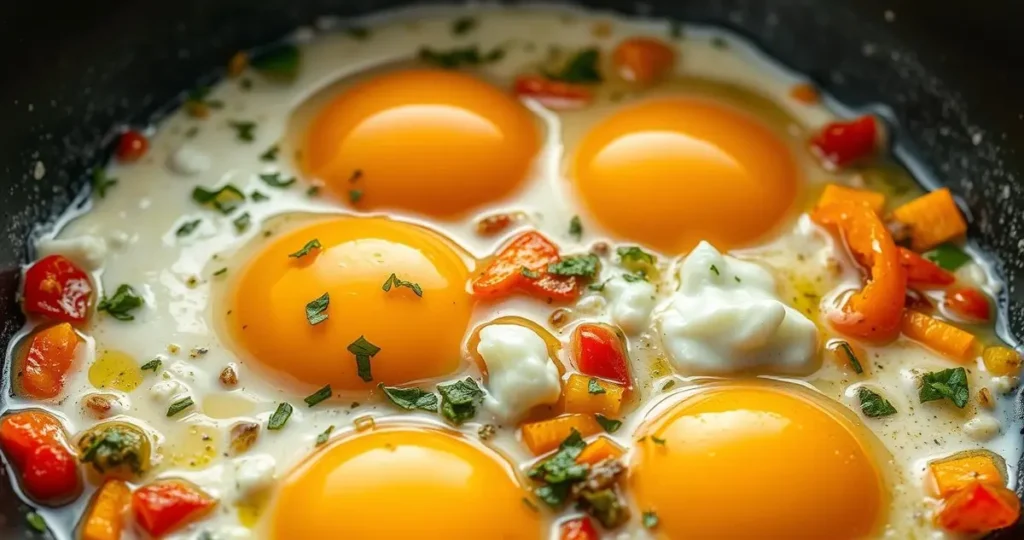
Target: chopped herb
(633, 278)
(393, 281)
(575, 228)
(851, 357)
(594, 387)
(242, 222)
(576, 265)
(179, 406)
(258, 196)
(529, 274)
(874, 405)
(633, 254)
(280, 417)
(276, 180)
(668, 385)
(598, 287)
(719, 42)
(311, 245)
(355, 195)
(114, 446)
(459, 400)
(356, 175)
(714, 270)
(270, 154)
(35, 522)
(560, 471)
(461, 56)
(582, 68)
(463, 25)
(101, 182)
(120, 306)
(364, 351)
(657, 440)
(221, 272)
(187, 228)
(358, 32)
(608, 424)
(312, 191)
(948, 383)
(948, 256)
(650, 519)
(316, 310)
(737, 278)
(281, 61)
(324, 435)
(318, 396)
(153, 365)
(244, 131)
(225, 198)
(410, 398)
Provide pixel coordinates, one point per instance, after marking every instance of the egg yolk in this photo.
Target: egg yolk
(404, 483)
(669, 173)
(758, 462)
(275, 304)
(435, 142)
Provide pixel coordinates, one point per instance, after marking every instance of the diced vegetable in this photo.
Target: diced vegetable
(544, 436)
(643, 60)
(581, 397)
(106, 516)
(167, 505)
(841, 143)
(968, 304)
(116, 450)
(957, 473)
(46, 363)
(922, 273)
(1001, 361)
(56, 288)
(979, 508)
(875, 312)
(933, 218)
(948, 257)
(555, 95)
(940, 336)
(21, 432)
(805, 93)
(522, 266)
(835, 193)
(131, 146)
(599, 450)
(580, 528)
(599, 350)
(35, 443)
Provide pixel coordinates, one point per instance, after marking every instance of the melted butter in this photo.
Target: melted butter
(115, 370)
(228, 405)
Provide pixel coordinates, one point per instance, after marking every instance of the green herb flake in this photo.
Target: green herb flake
(580, 69)
(393, 281)
(948, 383)
(463, 25)
(594, 387)
(245, 131)
(635, 255)
(179, 406)
(633, 278)
(281, 62)
(225, 199)
(324, 435)
(851, 357)
(410, 398)
(187, 228)
(270, 154)
(460, 56)
(275, 179)
(657, 440)
(459, 400)
(35, 522)
(668, 385)
(221, 272)
(560, 471)
(359, 33)
(258, 196)
(242, 222)
(316, 310)
(948, 256)
(714, 270)
(153, 365)
(100, 182)
(120, 306)
(310, 246)
(874, 405)
(312, 191)
(363, 351)
(576, 265)
(650, 519)
(575, 228)
(280, 417)
(610, 425)
(528, 274)
(355, 195)
(318, 396)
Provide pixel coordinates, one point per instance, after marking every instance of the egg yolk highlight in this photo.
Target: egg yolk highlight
(669, 173)
(404, 483)
(419, 337)
(757, 462)
(435, 142)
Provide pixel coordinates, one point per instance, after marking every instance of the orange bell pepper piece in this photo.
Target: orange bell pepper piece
(643, 60)
(979, 508)
(933, 218)
(944, 338)
(522, 266)
(35, 442)
(952, 475)
(544, 436)
(106, 517)
(601, 449)
(579, 397)
(834, 193)
(874, 313)
(45, 364)
(167, 505)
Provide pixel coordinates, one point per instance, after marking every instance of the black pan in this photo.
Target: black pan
(951, 73)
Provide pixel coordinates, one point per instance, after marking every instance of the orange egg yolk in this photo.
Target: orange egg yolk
(419, 337)
(434, 142)
(404, 483)
(669, 173)
(757, 462)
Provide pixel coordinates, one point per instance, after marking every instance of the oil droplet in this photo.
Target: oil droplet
(226, 405)
(115, 370)
(194, 446)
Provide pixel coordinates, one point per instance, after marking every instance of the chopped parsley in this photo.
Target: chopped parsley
(393, 281)
(363, 351)
(312, 191)
(560, 471)
(463, 25)
(179, 406)
(35, 522)
(608, 424)
(948, 383)
(245, 131)
(948, 256)
(580, 69)
(221, 272)
(275, 179)
(575, 265)
(668, 385)
(116, 446)
(874, 405)
(594, 387)
(529, 274)
(187, 228)
(461, 56)
(851, 357)
(649, 519)
(258, 196)
(280, 417)
(324, 435)
(225, 198)
(318, 396)
(633, 278)
(101, 182)
(714, 270)
(153, 365)
(633, 255)
(120, 306)
(310, 246)
(657, 440)
(281, 61)
(410, 398)
(270, 154)
(316, 310)
(242, 222)
(459, 400)
(575, 228)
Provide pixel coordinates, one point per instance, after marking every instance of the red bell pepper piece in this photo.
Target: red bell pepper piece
(46, 363)
(35, 443)
(555, 95)
(874, 313)
(522, 266)
(841, 143)
(580, 528)
(168, 505)
(922, 273)
(968, 304)
(58, 289)
(979, 508)
(600, 351)
(131, 146)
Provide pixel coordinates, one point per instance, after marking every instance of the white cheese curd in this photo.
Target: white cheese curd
(982, 427)
(254, 476)
(630, 303)
(1005, 384)
(86, 251)
(520, 375)
(725, 317)
(165, 391)
(188, 161)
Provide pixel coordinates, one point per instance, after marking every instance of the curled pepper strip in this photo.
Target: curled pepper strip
(521, 266)
(875, 312)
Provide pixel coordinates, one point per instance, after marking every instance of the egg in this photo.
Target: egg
(520, 374)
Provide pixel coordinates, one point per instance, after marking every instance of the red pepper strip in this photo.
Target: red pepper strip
(968, 304)
(34, 442)
(875, 312)
(555, 95)
(840, 143)
(600, 351)
(55, 287)
(523, 266)
(578, 529)
(979, 508)
(922, 273)
(167, 505)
